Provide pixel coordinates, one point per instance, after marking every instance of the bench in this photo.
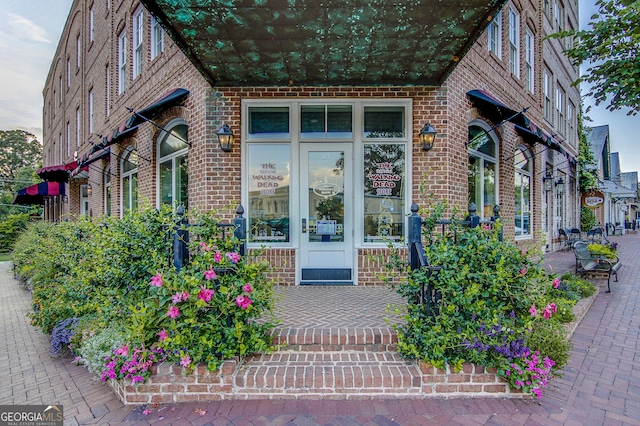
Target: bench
(587, 262)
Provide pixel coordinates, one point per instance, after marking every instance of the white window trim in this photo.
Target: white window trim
(497, 24)
(137, 40)
(484, 157)
(527, 153)
(122, 62)
(547, 106)
(106, 184)
(91, 24)
(68, 139)
(78, 123)
(529, 60)
(155, 40)
(68, 72)
(171, 157)
(79, 53)
(123, 175)
(514, 41)
(91, 111)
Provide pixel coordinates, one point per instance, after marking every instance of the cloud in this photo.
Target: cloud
(27, 29)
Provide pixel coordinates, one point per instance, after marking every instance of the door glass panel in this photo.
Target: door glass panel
(326, 122)
(384, 170)
(326, 196)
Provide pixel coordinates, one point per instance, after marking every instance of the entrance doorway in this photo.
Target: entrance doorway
(326, 211)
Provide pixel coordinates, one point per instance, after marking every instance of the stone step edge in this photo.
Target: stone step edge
(172, 383)
(335, 338)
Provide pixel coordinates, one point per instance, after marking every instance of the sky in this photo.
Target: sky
(30, 35)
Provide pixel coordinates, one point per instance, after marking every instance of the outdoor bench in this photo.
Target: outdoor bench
(588, 262)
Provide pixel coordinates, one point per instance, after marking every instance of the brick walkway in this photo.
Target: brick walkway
(600, 384)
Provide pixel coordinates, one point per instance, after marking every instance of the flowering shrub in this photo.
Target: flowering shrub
(134, 364)
(62, 334)
(490, 299)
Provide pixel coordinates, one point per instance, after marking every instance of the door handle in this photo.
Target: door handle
(304, 226)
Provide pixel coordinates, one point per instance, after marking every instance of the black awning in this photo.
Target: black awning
(35, 194)
(113, 137)
(492, 108)
(173, 97)
(83, 163)
(534, 134)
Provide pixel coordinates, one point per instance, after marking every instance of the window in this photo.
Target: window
(107, 97)
(483, 168)
(384, 122)
(547, 96)
(60, 89)
(157, 38)
(494, 33)
(129, 177)
(514, 42)
(68, 72)
(78, 127)
(90, 111)
(523, 172)
(269, 175)
(138, 18)
(560, 123)
(269, 123)
(59, 151)
(547, 8)
(84, 201)
(91, 27)
(122, 62)
(68, 139)
(172, 165)
(559, 15)
(529, 48)
(571, 131)
(384, 191)
(326, 121)
(79, 55)
(107, 191)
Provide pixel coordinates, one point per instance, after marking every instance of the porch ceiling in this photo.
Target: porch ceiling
(324, 42)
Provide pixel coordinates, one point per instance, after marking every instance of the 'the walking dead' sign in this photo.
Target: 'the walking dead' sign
(592, 199)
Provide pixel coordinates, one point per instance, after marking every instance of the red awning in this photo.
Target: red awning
(57, 173)
(88, 159)
(35, 194)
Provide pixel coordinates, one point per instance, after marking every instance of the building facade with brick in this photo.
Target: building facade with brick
(326, 171)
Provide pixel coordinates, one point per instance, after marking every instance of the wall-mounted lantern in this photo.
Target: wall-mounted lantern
(427, 137)
(225, 138)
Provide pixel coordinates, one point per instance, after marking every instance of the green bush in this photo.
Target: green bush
(99, 346)
(602, 250)
(587, 219)
(10, 229)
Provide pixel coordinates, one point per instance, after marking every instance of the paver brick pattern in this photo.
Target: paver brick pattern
(600, 384)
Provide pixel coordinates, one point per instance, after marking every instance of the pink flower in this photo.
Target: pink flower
(234, 257)
(243, 301)
(552, 307)
(136, 379)
(205, 294)
(210, 274)
(537, 392)
(147, 412)
(185, 296)
(217, 257)
(186, 361)
(204, 246)
(247, 288)
(533, 311)
(162, 334)
(523, 270)
(556, 283)
(156, 280)
(122, 350)
(176, 298)
(173, 312)
(546, 314)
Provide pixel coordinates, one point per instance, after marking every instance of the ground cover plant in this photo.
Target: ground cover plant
(108, 291)
(493, 306)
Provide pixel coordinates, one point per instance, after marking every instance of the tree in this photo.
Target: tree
(588, 171)
(611, 47)
(18, 149)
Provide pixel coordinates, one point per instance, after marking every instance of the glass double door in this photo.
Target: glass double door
(326, 209)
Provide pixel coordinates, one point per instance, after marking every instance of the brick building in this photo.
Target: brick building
(326, 106)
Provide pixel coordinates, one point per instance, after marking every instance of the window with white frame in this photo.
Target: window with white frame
(91, 24)
(60, 87)
(138, 19)
(555, 14)
(78, 127)
(523, 178)
(560, 106)
(157, 38)
(90, 111)
(547, 8)
(546, 107)
(514, 41)
(571, 131)
(84, 200)
(106, 184)
(129, 180)
(122, 62)
(560, 17)
(79, 51)
(483, 168)
(494, 35)
(172, 165)
(68, 72)
(529, 52)
(68, 139)
(107, 97)
(60, 148)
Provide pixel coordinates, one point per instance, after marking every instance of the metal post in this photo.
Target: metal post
(415, 236)
(496, 218)
(474, 219)
(180, 240)
(240, 229)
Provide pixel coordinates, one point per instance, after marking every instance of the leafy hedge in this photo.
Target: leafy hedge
(108, 289)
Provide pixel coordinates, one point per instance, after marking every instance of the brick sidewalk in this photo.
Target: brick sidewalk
(600, 384)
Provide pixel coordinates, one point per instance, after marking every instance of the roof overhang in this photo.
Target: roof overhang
(35, 194)
(311, 42)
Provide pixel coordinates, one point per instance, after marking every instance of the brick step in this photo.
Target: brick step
(335, 339)
(341, 374)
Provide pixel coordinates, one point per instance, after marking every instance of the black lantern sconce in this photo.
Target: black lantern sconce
(547, 181)
(427, 137)
(560, 185)
(225, 138)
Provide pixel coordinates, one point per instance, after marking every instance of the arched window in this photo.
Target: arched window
(107, 191)
(483, 168)
(129, 180)
(523, 169)
(173, 177)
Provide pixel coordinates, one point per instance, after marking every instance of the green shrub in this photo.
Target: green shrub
(587, 219)
(574, 284)
(99, 346)
(549, 338)
(602, 250)
(10, 229)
